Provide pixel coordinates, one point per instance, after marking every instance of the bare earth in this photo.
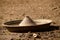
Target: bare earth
(36, 9)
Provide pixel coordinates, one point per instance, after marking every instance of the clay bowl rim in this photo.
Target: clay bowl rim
(37, 22)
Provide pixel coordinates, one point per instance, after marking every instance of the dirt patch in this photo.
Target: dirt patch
(36, 9)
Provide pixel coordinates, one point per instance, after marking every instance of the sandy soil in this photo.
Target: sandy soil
(36, 9)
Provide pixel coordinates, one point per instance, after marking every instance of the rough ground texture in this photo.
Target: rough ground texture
(36, 9)
(17, 9)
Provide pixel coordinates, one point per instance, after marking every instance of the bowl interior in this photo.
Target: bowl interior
(38, 22)
(15, 22)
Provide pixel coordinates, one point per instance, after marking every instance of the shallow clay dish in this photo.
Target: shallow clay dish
(14, 25)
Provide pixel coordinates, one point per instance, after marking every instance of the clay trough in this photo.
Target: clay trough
(26, 25)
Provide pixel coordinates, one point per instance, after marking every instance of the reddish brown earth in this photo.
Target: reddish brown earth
(36, 9)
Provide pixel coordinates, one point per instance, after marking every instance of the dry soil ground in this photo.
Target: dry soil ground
(36, 9)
